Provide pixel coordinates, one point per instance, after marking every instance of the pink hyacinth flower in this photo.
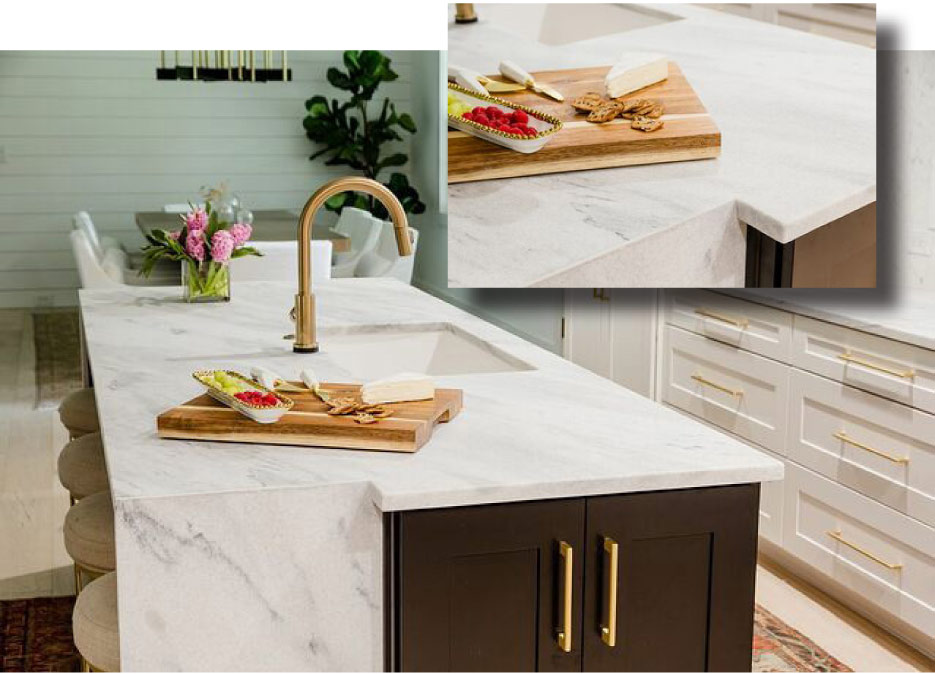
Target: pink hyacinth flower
(222, 244)
(241, 233)
(175, 235)
(195, 245)
(196, 220)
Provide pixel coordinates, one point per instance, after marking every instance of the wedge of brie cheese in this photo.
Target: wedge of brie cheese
(398, 388)
(635, 70)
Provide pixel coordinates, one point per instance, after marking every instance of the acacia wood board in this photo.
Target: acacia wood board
(689, 132)
(308, 424)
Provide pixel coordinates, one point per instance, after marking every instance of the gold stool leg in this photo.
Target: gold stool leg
(77, 578)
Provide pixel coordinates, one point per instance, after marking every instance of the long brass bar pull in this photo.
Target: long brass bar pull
(836, 535)
(737, 393)
(707, 313)
(564, 632)
(844, 437)
(611, 569)
(848, 357)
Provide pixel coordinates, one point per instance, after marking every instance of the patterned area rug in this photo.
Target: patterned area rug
(58, 355)
(35, 636)
(779, 648)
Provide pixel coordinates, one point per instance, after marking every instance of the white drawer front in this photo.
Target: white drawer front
(888, 368)
(733, 389)
(871, 539)
(750, 326)
(878, 447)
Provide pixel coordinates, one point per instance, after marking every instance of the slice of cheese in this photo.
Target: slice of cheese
(635, 70)
(398, 388)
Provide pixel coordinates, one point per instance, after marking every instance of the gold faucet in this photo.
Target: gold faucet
(464, 13)
(305, 341)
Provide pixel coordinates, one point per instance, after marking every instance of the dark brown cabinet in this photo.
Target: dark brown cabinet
(654, 581)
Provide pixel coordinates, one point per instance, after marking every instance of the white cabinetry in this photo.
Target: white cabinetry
(851, 416)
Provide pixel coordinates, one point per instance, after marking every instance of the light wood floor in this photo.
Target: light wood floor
(33, 561)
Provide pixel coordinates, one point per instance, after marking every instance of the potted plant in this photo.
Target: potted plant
(352, 136)
(204, 245)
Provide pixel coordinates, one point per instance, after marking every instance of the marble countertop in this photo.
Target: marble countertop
(555, 430)
(903, 314)
(797, 114)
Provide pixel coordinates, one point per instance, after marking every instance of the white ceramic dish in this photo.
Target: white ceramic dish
(545, 124)
(261, 415)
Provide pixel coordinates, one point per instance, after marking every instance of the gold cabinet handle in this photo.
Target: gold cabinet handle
(707, 382)
(611, 564)
(599, 295)
(564, 633)
(836, 535)
(844, 437)
(850, 358)
(708, 313)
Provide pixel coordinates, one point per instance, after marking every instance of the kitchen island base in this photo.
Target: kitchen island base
(651, 581)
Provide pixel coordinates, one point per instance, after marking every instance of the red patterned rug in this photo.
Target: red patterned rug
(779, 648)
(35, 636)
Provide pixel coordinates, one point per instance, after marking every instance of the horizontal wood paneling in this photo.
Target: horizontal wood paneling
(96, 131)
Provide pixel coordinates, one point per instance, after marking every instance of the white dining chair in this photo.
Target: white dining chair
(364, 231)
(91, 271)
(385, 260)
(99, 244)
(180, 208)
(280, 262)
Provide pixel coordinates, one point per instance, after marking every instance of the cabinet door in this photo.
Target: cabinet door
(685, 570)
(483, 588)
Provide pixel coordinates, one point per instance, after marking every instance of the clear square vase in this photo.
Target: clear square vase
(206, 282)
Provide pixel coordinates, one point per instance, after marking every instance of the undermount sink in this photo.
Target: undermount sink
(435, 349)
(558, 24)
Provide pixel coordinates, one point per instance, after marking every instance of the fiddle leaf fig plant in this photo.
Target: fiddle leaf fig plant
(352, 135)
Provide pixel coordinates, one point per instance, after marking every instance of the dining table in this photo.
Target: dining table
(268, 225)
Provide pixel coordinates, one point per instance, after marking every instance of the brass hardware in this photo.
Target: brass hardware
(611, 565)
(162, 59)
(903, 374)
(464, 13)
(707, 382)
(564, 633)
(285, 69)
(305, 341)
(267, 59)
(252, 67)
(741, 323)
(844, 437)
(599, 295)
(836, 535)
(195, 63)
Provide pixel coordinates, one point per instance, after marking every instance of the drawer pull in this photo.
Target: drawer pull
(844, 437)
(707, 313)
(836, 535)
(564, 633)
(611, 564)
(737, 393)
(850, 358)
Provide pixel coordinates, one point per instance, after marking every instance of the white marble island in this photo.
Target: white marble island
(797, 116)
(236, 556)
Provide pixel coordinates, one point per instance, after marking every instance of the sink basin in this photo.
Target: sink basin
(435, 349)
(558, 24)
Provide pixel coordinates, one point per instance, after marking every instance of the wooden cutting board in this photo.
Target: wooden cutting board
(689, 132)
(307, 424)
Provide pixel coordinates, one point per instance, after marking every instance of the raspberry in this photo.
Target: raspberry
(468, 116)
(532, 133)
(519, 117)
(478, 111)
(504, 128)
(482, 119)
(493, 111)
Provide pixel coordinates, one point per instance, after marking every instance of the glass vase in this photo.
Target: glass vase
(206, 282)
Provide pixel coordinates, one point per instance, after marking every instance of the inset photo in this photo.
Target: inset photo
(611, 145)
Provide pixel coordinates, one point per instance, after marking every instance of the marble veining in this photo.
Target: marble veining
(798, 122)
(237, 556)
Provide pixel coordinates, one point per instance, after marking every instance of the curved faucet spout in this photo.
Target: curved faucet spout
(305, 340)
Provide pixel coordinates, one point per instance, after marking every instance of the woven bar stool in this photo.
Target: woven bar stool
(78, 413)
(81, 467)
(94, 625)
(89, 537)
